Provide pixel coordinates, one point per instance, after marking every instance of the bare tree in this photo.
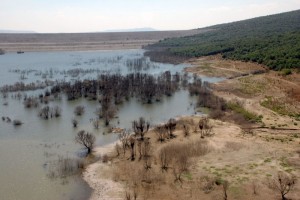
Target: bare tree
(144, 148)
(57, 111)
(86, 139)
(205, 127)
(45, 112)
(180, 166)
(118, 148)
(148, 163)
(140, 127)
(164, 159)
(79, 110)
(75, 123)
(107, 110)
(31, 102)
(186, 130)
(170, 127)
(225, 187)
(96, 123)
(132, 146)
(160, 132)
(283, 183)
(124, 138)
(255, 187)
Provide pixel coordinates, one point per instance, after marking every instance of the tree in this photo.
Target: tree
(45, 112)
(164, 159)
(79, 110)
(75, 123)
(124, 138)
(132, 143)
(171, 126)
(140, 127)
(186, 130)
(205, 127)
(57, 111)
(86, 139)
(144, 148)
(283, 183)
(107, 110)
(180, 166)
(96, 123)
(160, 132)
(225, 186)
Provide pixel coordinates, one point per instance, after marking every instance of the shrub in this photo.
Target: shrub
(79, 110)
(286, 72)
(238, 108)
(17, 122)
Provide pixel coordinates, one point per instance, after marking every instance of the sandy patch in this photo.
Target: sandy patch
(98, 176)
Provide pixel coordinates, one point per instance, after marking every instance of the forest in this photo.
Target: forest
(271, 40)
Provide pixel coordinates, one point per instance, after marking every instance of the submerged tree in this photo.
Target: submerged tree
(79, 110)
(86, 139)
(75, 123)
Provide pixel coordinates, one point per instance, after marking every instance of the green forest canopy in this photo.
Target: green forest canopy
(271, 40)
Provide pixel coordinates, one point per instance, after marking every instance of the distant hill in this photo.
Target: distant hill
(15, 31)
(271, 40)
(146, 29)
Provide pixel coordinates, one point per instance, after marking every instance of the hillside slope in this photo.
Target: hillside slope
(271, 40)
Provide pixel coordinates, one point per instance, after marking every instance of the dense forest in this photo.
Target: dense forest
(271, 40)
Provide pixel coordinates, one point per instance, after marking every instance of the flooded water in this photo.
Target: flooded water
(27, 150)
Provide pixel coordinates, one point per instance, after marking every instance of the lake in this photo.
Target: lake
(26, 151)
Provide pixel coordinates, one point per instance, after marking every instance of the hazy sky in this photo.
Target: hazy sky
(98, 15)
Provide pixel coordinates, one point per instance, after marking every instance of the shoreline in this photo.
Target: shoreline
(232, 142)
(103, 187)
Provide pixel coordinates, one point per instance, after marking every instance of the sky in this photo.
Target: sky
(66, 16)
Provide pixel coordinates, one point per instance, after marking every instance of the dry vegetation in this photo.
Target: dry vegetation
(251, 151)
(189, 167)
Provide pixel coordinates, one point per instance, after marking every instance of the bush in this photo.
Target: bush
(79, 110)
(17, 122)
(286, 72)
(238, 108)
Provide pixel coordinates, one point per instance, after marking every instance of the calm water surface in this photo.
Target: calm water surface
(25, 151)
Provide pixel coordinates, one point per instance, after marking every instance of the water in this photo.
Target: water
(26, 151)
